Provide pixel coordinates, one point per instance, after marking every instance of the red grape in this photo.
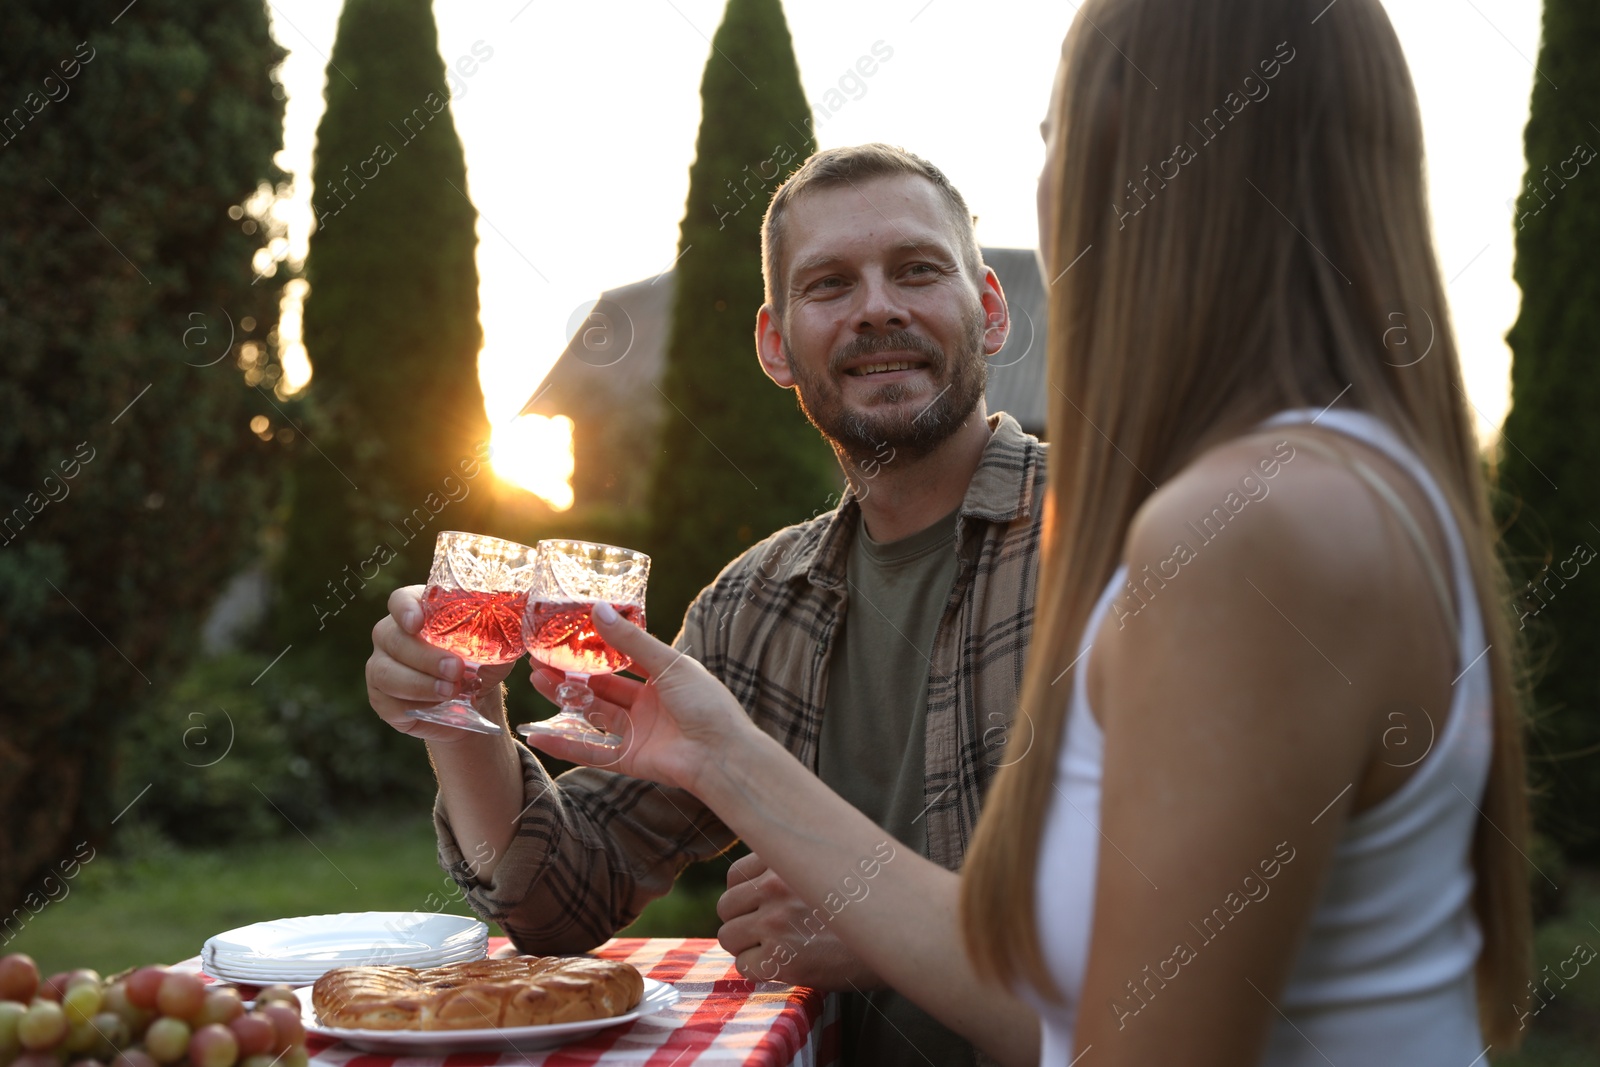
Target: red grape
(213, 1045)
(82, 974)
(37, 1059)
(131, 1057)
(167, 1039)
(277, 994)
(181, 995)
(42, 1027)
(19, 977)
(143, 985)
(220, 1006)
(53, 987)
(286, 1025)
(255, 1034)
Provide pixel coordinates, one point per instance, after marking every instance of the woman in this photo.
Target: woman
(1266, 801)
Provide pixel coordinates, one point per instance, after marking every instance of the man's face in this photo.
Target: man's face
(883, 332)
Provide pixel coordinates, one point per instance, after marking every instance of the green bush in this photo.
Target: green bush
(229, 757)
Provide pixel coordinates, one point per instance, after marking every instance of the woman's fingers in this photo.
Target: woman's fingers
(650, 656)
(575, 750)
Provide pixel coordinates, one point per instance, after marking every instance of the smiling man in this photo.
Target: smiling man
(882, 642)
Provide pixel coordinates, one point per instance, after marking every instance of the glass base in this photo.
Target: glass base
(575, 727)
(455, 713)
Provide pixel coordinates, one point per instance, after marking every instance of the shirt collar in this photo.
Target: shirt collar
(1002, 490)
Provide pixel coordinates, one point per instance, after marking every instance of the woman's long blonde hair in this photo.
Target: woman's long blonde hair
(1281, 257)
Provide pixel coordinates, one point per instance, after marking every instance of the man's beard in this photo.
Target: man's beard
(864, 435)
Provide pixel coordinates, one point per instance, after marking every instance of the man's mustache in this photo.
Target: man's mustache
(896, 341)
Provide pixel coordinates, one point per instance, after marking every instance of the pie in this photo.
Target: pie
(477, 995)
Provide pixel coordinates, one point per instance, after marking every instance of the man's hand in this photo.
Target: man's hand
(775, 936)
(406, 672)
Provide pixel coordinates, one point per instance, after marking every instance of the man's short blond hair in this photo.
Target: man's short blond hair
(848, 166)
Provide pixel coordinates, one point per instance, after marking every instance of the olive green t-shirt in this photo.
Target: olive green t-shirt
(871, 750)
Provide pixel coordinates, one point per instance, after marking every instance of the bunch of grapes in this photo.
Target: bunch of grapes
(149, 1017)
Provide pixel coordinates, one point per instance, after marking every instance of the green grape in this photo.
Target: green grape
(112, 1033)
(11, 1013)
(81, 1039)
(42, 1026)
(81, 1002)
(167, 1039)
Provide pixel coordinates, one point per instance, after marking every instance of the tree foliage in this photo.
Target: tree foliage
(738, 459)
(1547, 469)
(131, 485)
(391, 325)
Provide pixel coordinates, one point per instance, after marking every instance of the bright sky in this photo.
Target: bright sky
(579, 129)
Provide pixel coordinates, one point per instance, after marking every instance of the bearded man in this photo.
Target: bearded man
(881, 642)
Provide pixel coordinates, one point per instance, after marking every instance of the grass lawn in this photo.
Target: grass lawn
(156, 904)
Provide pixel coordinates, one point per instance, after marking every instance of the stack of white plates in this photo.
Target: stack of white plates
(298, 951)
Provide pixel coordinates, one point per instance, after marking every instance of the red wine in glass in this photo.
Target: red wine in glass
(571, 577)
(561, 635)
(479, 626)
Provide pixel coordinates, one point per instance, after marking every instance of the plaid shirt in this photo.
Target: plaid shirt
(595, 847)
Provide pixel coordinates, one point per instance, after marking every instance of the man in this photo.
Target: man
(882, 642)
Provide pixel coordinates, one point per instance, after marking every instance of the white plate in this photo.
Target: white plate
(265, 976)
(351, 937)
(369, 956)
(657, 997)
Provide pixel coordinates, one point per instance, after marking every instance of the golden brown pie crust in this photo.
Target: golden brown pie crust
(477, 995)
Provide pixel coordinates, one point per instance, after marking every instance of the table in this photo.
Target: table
(720, 1019)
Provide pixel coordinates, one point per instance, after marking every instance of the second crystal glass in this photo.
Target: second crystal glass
(573, 576)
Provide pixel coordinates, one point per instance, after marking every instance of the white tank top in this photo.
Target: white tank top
(1385, 975)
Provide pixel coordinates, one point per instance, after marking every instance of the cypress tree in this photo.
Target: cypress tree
(1547, 469)
(738, 459)
(131, 485)
(396, 419)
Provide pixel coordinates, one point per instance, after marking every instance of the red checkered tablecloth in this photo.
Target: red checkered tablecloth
(720, 1018)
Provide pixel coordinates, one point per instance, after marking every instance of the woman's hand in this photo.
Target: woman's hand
(406, 672)
(672, 726)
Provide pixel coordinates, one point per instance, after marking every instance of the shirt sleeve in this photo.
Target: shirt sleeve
(592, 849)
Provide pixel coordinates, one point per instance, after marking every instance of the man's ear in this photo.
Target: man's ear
(996, 315)
(769, 347)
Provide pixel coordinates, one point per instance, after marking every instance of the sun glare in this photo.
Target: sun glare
(534, 453)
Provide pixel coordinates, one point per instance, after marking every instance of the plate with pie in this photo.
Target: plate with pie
(523, 1003)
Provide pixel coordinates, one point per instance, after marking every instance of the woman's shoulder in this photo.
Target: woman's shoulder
(1282, 502)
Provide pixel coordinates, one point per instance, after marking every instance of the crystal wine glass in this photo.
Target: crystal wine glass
(473, 605)
(556, 629)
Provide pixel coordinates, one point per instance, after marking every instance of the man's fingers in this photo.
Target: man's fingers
(390, 638)
(393, 679)
(746, 869)
(405, 607)
(738, 935)
(741, 899)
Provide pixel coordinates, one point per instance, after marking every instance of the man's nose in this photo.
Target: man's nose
(881, 306)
